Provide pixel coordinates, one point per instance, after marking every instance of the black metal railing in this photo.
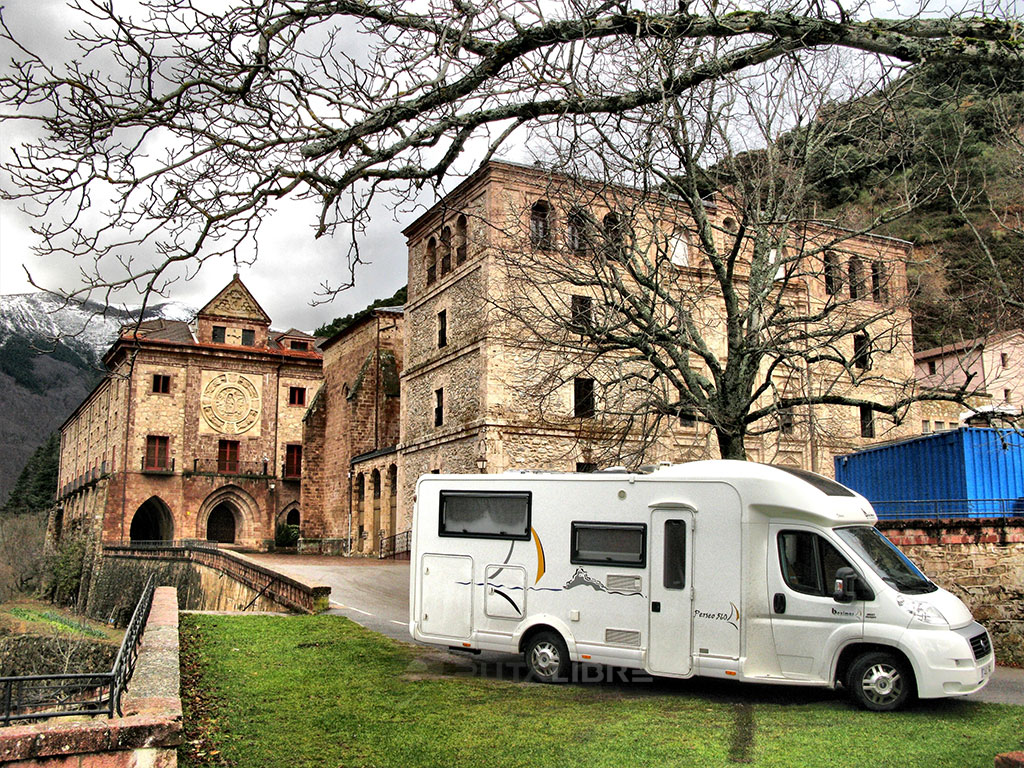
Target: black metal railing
(948, 509)
(41, 697)
(213, 466)
(395, 547)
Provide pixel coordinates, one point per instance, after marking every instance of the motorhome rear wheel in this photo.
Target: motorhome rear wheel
(547, 658)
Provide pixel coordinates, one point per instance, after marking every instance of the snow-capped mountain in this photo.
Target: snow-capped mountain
(84, 326)
(49, 361)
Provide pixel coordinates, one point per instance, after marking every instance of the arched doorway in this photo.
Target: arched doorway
(152, 522)
(229, 515)
(220, 526)
(293, 517)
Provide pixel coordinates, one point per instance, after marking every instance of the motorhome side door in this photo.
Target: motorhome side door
(671, 553)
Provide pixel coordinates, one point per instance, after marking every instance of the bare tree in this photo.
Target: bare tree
(173, 134)
(672, 262)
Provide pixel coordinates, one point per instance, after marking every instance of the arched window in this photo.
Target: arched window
(614, 234)
(431, 261)
(461, 240)
(856, 277)
(679, 248)
(446, 251)
(832, 275)
(540, 224)
(578, 231)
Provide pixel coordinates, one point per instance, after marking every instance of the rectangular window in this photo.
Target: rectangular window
(939, 426)
(219, 334)
(438, 407)
(861, 351)
(926, 427)
(583, 398)
(299, 346)
(586, 466)
(248, 337)
(581, 307)
(786, 421)
(161, 384)
(931, 367)
(867, 421)
(623, 544)
(486, 515)
(1004, 359)
(442, 328)
(1007, 396)
(687, 417)
(296, 395)
(675, 554)
(157, 452)
(227, 457)
(293, 461)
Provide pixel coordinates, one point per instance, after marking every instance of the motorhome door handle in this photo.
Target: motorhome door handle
(779, 603)
(655, 607)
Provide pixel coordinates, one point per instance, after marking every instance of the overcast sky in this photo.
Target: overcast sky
(291, 265)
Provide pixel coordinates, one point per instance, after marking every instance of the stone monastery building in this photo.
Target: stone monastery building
(194, 432)
(467, 364)
(221, 430)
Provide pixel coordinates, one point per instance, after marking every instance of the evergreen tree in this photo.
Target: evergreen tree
(36, 486)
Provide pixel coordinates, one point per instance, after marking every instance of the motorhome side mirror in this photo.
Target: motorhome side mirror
(845, 590)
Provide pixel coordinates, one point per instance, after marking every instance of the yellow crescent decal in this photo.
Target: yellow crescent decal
(540, 554)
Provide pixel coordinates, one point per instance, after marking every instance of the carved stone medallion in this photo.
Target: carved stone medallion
(230, 404)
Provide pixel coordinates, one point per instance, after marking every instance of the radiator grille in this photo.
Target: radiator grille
(622, 637)
(981, 645)
(619, 583)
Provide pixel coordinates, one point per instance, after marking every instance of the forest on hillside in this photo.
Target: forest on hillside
(956, 132)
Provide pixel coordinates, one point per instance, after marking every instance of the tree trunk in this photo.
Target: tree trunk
(730, 444)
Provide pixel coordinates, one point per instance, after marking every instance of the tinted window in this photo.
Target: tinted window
(494, 515)
(675, 554)
(808, 562)
(609, 544)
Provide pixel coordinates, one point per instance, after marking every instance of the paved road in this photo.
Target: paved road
(375, 594)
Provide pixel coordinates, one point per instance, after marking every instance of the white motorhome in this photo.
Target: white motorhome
(715, 568)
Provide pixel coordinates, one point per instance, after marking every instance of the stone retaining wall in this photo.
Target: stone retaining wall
(147, 735)
(982, 562)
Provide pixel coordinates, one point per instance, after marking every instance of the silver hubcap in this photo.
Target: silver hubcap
(882, 683)
(544, 659)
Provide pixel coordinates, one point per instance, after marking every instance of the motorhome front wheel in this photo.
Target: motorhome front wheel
(547, 658)
(879, 681)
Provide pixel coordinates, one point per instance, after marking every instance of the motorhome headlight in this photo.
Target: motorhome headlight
(924, 612)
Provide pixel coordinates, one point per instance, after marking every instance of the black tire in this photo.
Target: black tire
(547, 658)
(880, 681)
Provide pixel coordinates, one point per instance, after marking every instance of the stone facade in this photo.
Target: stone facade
(470, 400)
(191, 436)
(350, 439)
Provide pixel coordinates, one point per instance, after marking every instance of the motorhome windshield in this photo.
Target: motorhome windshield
(886, 560)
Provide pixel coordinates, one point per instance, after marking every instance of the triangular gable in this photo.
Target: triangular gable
(235, 301)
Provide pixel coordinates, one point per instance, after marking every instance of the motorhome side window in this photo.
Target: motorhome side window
(488, 515)
(809, 563)
(621, 544)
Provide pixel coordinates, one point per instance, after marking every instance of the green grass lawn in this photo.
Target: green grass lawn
(292, 692)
